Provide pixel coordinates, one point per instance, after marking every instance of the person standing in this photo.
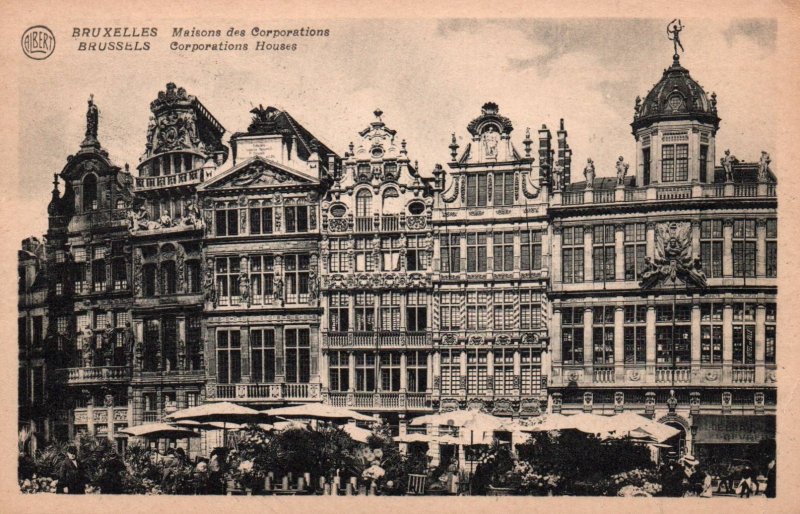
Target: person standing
(71, 477)
(771, 475)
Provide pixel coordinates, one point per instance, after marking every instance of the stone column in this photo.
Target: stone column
(324, 364)
(490, 369)
(555, 337)
(588, 262)
(314, 353)
(619, 250)
(588, 354)
(619, 343)
(555, 258)
(280, 353)
(727, 342)
(245, 353)
(650, 344)
(761, 336)
(650, 239)
(403, 372)
(696, 341)
(727, 248)
(761, 247)
(182, 364)
(517, 373)
(351, 361)
(463, 373)
(434, 370)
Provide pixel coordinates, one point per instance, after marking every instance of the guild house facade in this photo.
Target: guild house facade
(265, 268)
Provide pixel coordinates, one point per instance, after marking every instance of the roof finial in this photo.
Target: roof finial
(378, 113)
(453, 147)
(673, 34)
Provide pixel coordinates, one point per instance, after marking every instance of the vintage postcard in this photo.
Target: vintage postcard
(526, 252)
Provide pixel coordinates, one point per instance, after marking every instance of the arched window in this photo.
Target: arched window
(90, 202)
(168, 277)
(387, 199)
(363, 204)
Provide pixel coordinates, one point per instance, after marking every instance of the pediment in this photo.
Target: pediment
(258, 173)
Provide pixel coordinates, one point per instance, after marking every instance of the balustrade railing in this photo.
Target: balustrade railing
(185, 177)
(745, 190)
(379, 400)
(390, 223)
(678, 375)
(603, 374)
(375, 339)
(269, 391)
(743, 375)
(364, 224)
(573, 198)
(97, 374)
(604, 196)
(674, 193)
(671, 192)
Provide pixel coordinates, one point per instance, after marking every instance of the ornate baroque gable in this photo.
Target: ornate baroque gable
(258, 173)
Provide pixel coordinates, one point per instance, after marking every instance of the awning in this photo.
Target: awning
(733, 429)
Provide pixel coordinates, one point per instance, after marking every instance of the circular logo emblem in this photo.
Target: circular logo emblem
(38, 42)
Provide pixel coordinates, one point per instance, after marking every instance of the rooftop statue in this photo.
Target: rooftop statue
(673, 34)
(622, 170)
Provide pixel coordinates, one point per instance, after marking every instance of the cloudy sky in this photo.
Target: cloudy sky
(430, 77)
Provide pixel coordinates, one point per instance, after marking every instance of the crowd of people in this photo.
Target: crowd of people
(688, 477)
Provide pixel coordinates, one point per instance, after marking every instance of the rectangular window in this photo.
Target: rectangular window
(675, 163)
(744, 248)
(476, 252)
(711, 333)
(79, 278)
(450, 311)
(338, 312)
(673, 347)
(363, 254)
(503, 189)
(298, 355)
(417, 372)
(169, 281)
(296, 275)
(390, 311)
(476, 190)
(451, 371)
(503, 251)
(477, 372)
(744, 333)
(572, 335)
(227, 275)
(98, 275)
(646, 166)
(416, 253)
(711, 244)
(337, 255)
(451, 252)
(531, 250)
(296, 218)
(390, 254)
(504, 310)
(365, 371)
(38, 331)
(119, 274)
(478, 310)
(364, 311)
(390, 371)
(572, 255)
(770, 333)
(229, 362)
(703, 163)
(635, 250)
(262, 355)
(635, 334)
(192, 399)
(604, 253)
(503, 371)
(603, 335)
(530, 309)
(772, 247)
(194, 343)
(226, 220)
(262, 276)
(531, 369)
(338, 371)
(416, 311)
(260, 220)
(193, 276)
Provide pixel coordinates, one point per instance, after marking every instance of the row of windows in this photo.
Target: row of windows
(743, 250)
(367, 315)
(377, 372)
(296, 365)
(503, 246)
(226, 219)
(471, 311)
(163, 349)
(262, 280)
(673, 334)
(477, 377)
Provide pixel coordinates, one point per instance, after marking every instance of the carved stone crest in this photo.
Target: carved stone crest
(673, 258)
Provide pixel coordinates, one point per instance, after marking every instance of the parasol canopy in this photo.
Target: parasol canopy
(223, 412)
(358, 434)
(317, 411)
(208, 425)
(155, 430)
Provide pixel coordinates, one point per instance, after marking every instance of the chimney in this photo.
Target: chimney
(545, 164)
(564, 152)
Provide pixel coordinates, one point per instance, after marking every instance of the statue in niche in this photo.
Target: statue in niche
(192, 216)
(588, 172)
(106, 336)
(763, 167)
(128, 342)
(558, 172)
(209, 292)
(87, 335)
(277, 290)
(727, 163)
(313, 285)
(622, 170)
(491, 139)
(244, 288)
(165, 220)
(181, 355)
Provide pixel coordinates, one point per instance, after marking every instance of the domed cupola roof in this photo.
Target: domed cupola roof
(677, 96)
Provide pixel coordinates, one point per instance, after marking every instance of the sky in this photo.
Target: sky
(430, 78)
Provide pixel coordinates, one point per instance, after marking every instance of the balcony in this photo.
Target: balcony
(97, 375)
(185, 178)
(670, 375)
(743, 375)
(660, 192)
(390, 223)
(603, 374)
(380, 401)
(375, 340)
(364, 224)
(268, 392)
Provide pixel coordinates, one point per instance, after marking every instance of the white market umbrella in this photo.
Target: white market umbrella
(318, 411)
(208, 425)
(358, 434)
(156, 430)
(222, 412)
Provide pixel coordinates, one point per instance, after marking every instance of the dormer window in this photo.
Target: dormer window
(90, 202)
(675, 103)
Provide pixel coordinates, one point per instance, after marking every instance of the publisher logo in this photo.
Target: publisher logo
(38, 42)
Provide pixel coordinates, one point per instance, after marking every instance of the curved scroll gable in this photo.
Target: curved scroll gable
(452, 191)
(528, 194)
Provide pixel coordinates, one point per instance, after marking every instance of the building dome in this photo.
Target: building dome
(677, 96)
